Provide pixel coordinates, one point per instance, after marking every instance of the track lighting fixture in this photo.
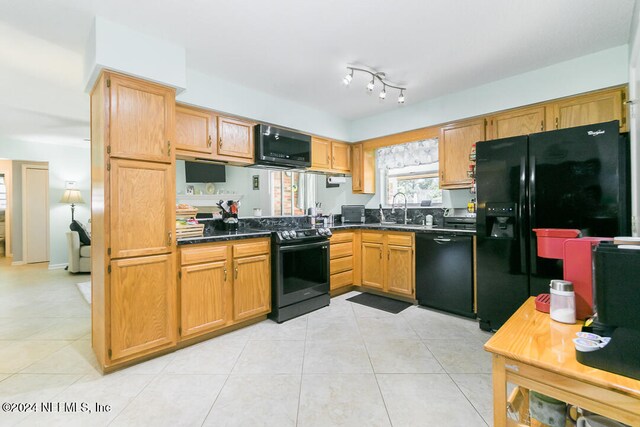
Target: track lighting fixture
(375, 75)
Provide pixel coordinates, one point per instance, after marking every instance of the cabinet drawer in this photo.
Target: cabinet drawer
(341, 279)
(373, 237)
(252, 247)
(202, 254)
(339, 250)
(400, 239)
(342, 237)
(339, 265)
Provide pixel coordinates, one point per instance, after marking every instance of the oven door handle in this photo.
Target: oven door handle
(323, 245)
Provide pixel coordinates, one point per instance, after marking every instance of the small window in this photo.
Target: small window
(292, 192)
(411, 169)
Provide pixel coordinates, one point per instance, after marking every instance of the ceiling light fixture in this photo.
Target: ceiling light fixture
(375, 75)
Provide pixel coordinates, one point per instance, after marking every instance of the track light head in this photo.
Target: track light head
(401, 97)
(383, 94)
(371, 85)
(347, 79)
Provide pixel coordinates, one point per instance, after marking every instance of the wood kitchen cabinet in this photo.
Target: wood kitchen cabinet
(222, 284)
(235, 140)
(133, 280)
(202, 294)
(454, 148)
(142, 311)
(142, 214)
(330, 156)
(363, 170)
(343, 259)
(597, 107)
(196, 132)
(388, 262)
(141, 118)
(522, 121)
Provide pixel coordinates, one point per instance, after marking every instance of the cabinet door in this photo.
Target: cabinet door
(251, 286)
(195, 131)
(143, 305)
(400, 270)
(202, 298)
(589, 109)
(372, 265)
(454, 148)
(320, 153)
(141, 119)
(340, 157)
(142, 208)
(356, 168)
(235, 138)
(516, 123)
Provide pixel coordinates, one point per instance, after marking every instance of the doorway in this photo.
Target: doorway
(35, 213)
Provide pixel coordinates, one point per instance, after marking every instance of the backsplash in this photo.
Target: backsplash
(414, 215)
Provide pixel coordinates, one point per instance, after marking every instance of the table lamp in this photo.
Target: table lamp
(73, 197)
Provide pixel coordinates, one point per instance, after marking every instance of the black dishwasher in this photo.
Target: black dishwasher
(444, 272)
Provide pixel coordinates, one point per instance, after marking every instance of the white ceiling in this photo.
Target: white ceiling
(296, 49)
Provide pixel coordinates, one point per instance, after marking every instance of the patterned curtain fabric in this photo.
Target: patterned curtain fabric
(411, 154)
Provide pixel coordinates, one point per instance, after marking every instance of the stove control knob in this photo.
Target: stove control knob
(290, 234)
(327, 232)
(321, 231)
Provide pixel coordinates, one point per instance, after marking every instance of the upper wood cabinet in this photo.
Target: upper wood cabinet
(320, 153)
(454, 148)
(602, 106)
(363, 171)
(142, 309)
(235, 140)
(515, 123)
(142, 208)
(330, 156)
(340, 156)
(141, 119)
(196, 131)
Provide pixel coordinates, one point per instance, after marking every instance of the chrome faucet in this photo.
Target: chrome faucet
(393, 204)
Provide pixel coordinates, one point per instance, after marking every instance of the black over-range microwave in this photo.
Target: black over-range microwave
(281, 148)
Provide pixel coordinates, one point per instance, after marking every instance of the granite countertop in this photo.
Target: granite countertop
(250, 233)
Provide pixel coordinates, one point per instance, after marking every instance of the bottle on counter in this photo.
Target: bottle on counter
(563, 301)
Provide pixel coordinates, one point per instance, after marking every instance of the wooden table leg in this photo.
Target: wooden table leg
(499, 392)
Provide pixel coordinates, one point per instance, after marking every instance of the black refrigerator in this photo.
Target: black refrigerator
(573, 178)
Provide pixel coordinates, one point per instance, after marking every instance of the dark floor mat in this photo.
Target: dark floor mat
(381, 303)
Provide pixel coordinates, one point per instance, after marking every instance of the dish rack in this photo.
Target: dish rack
(187, 230)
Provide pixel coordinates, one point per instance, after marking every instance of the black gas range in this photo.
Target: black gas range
(299, 271)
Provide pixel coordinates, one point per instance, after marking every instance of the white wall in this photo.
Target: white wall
(634, 119)
(66, 163)
(599, 70)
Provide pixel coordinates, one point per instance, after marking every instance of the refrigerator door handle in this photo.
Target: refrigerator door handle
(532, 212)
(521, 215)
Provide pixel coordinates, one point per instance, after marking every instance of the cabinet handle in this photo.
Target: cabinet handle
(389, 254)
(169, 148)
(169, 234)
(541, 125)
(557, 123)
(236, 270)
(380, 253)
(209, 142)
(220, 143)
(225, 273)
(333, 159)
(328, 159)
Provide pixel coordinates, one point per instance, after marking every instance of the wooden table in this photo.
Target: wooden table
(536, 353)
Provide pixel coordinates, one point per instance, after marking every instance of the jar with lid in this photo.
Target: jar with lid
(563, 301)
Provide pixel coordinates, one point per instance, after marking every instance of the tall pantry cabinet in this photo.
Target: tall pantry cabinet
(133, 279)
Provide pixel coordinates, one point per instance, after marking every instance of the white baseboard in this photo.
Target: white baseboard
(14, 263)
(57, 266)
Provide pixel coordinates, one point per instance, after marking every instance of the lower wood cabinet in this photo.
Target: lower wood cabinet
(251, 287)
(203, 304)
(142, 309)
(388, 262)
(222, 284)
(344, 256)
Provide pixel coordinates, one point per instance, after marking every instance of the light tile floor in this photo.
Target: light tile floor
(344, 365)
